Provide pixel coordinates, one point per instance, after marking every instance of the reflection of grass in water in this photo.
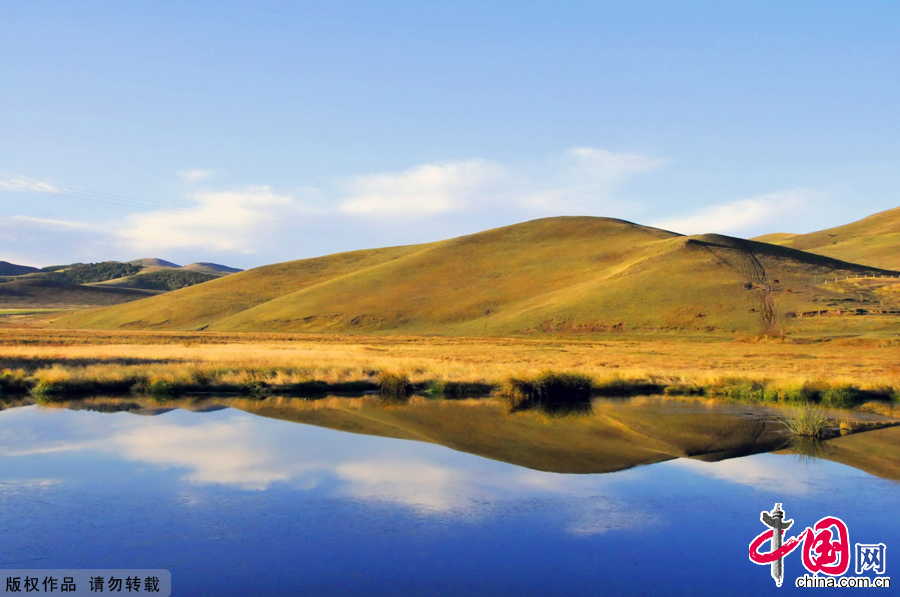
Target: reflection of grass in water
(808, 448)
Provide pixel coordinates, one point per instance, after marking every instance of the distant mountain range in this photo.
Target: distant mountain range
(565, 275)
(11, 269)
(80, 285)
(201, 266)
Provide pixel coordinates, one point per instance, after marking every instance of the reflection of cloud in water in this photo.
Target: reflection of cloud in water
(612, 516)
(591, 514)
(767, 472)
(423, 485)
(13, 485)
(216, 453)
(250, 453)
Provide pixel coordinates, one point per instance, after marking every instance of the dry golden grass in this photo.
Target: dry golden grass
(282, 360)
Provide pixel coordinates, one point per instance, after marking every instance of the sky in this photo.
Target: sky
(249, 133)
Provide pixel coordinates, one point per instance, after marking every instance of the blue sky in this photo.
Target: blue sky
(253, 132)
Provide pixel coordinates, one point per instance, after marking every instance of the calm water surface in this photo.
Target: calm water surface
(237, 504)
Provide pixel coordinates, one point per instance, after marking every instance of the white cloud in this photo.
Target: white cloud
(257, 219)
(194, 174)
(48, 223)
(583, 179)
(219, 220)
(425, 190)
(737, 216)
(27, 184)
(603, 166)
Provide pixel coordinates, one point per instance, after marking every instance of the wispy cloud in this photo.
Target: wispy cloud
(425, 190)
(744, 215)
(582, 179)
(604, 166)
(252, 219)
(194, 174)
(48, 223)
(27, 185)
(218, 220)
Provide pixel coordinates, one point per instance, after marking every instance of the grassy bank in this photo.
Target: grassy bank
(548, 390)
(53, 365)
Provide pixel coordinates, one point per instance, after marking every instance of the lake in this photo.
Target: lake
(355, 497)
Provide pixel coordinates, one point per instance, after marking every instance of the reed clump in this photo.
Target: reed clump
(807, 421)
(550, 391)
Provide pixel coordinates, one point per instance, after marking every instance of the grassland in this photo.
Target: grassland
(568, 275)
(60, 363)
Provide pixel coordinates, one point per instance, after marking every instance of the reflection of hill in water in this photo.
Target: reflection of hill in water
(617, 435)
(876, 452)
(612, 438)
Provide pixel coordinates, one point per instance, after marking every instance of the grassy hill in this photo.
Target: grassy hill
(206, 267)
(153, 262)
(873, 241)
(560, 275)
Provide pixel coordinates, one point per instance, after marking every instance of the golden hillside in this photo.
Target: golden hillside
(564, 275)
(873, 241)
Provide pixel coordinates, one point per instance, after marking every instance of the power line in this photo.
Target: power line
(120, 200)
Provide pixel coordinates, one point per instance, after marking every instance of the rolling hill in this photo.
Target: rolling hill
(872, 241)
(153, 262)
(558, 275)
(206, 267)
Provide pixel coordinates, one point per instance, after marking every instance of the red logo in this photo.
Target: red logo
(826, 545)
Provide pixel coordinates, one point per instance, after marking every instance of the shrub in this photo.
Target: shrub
(394, 385)
(550, 391)
(162, 388)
